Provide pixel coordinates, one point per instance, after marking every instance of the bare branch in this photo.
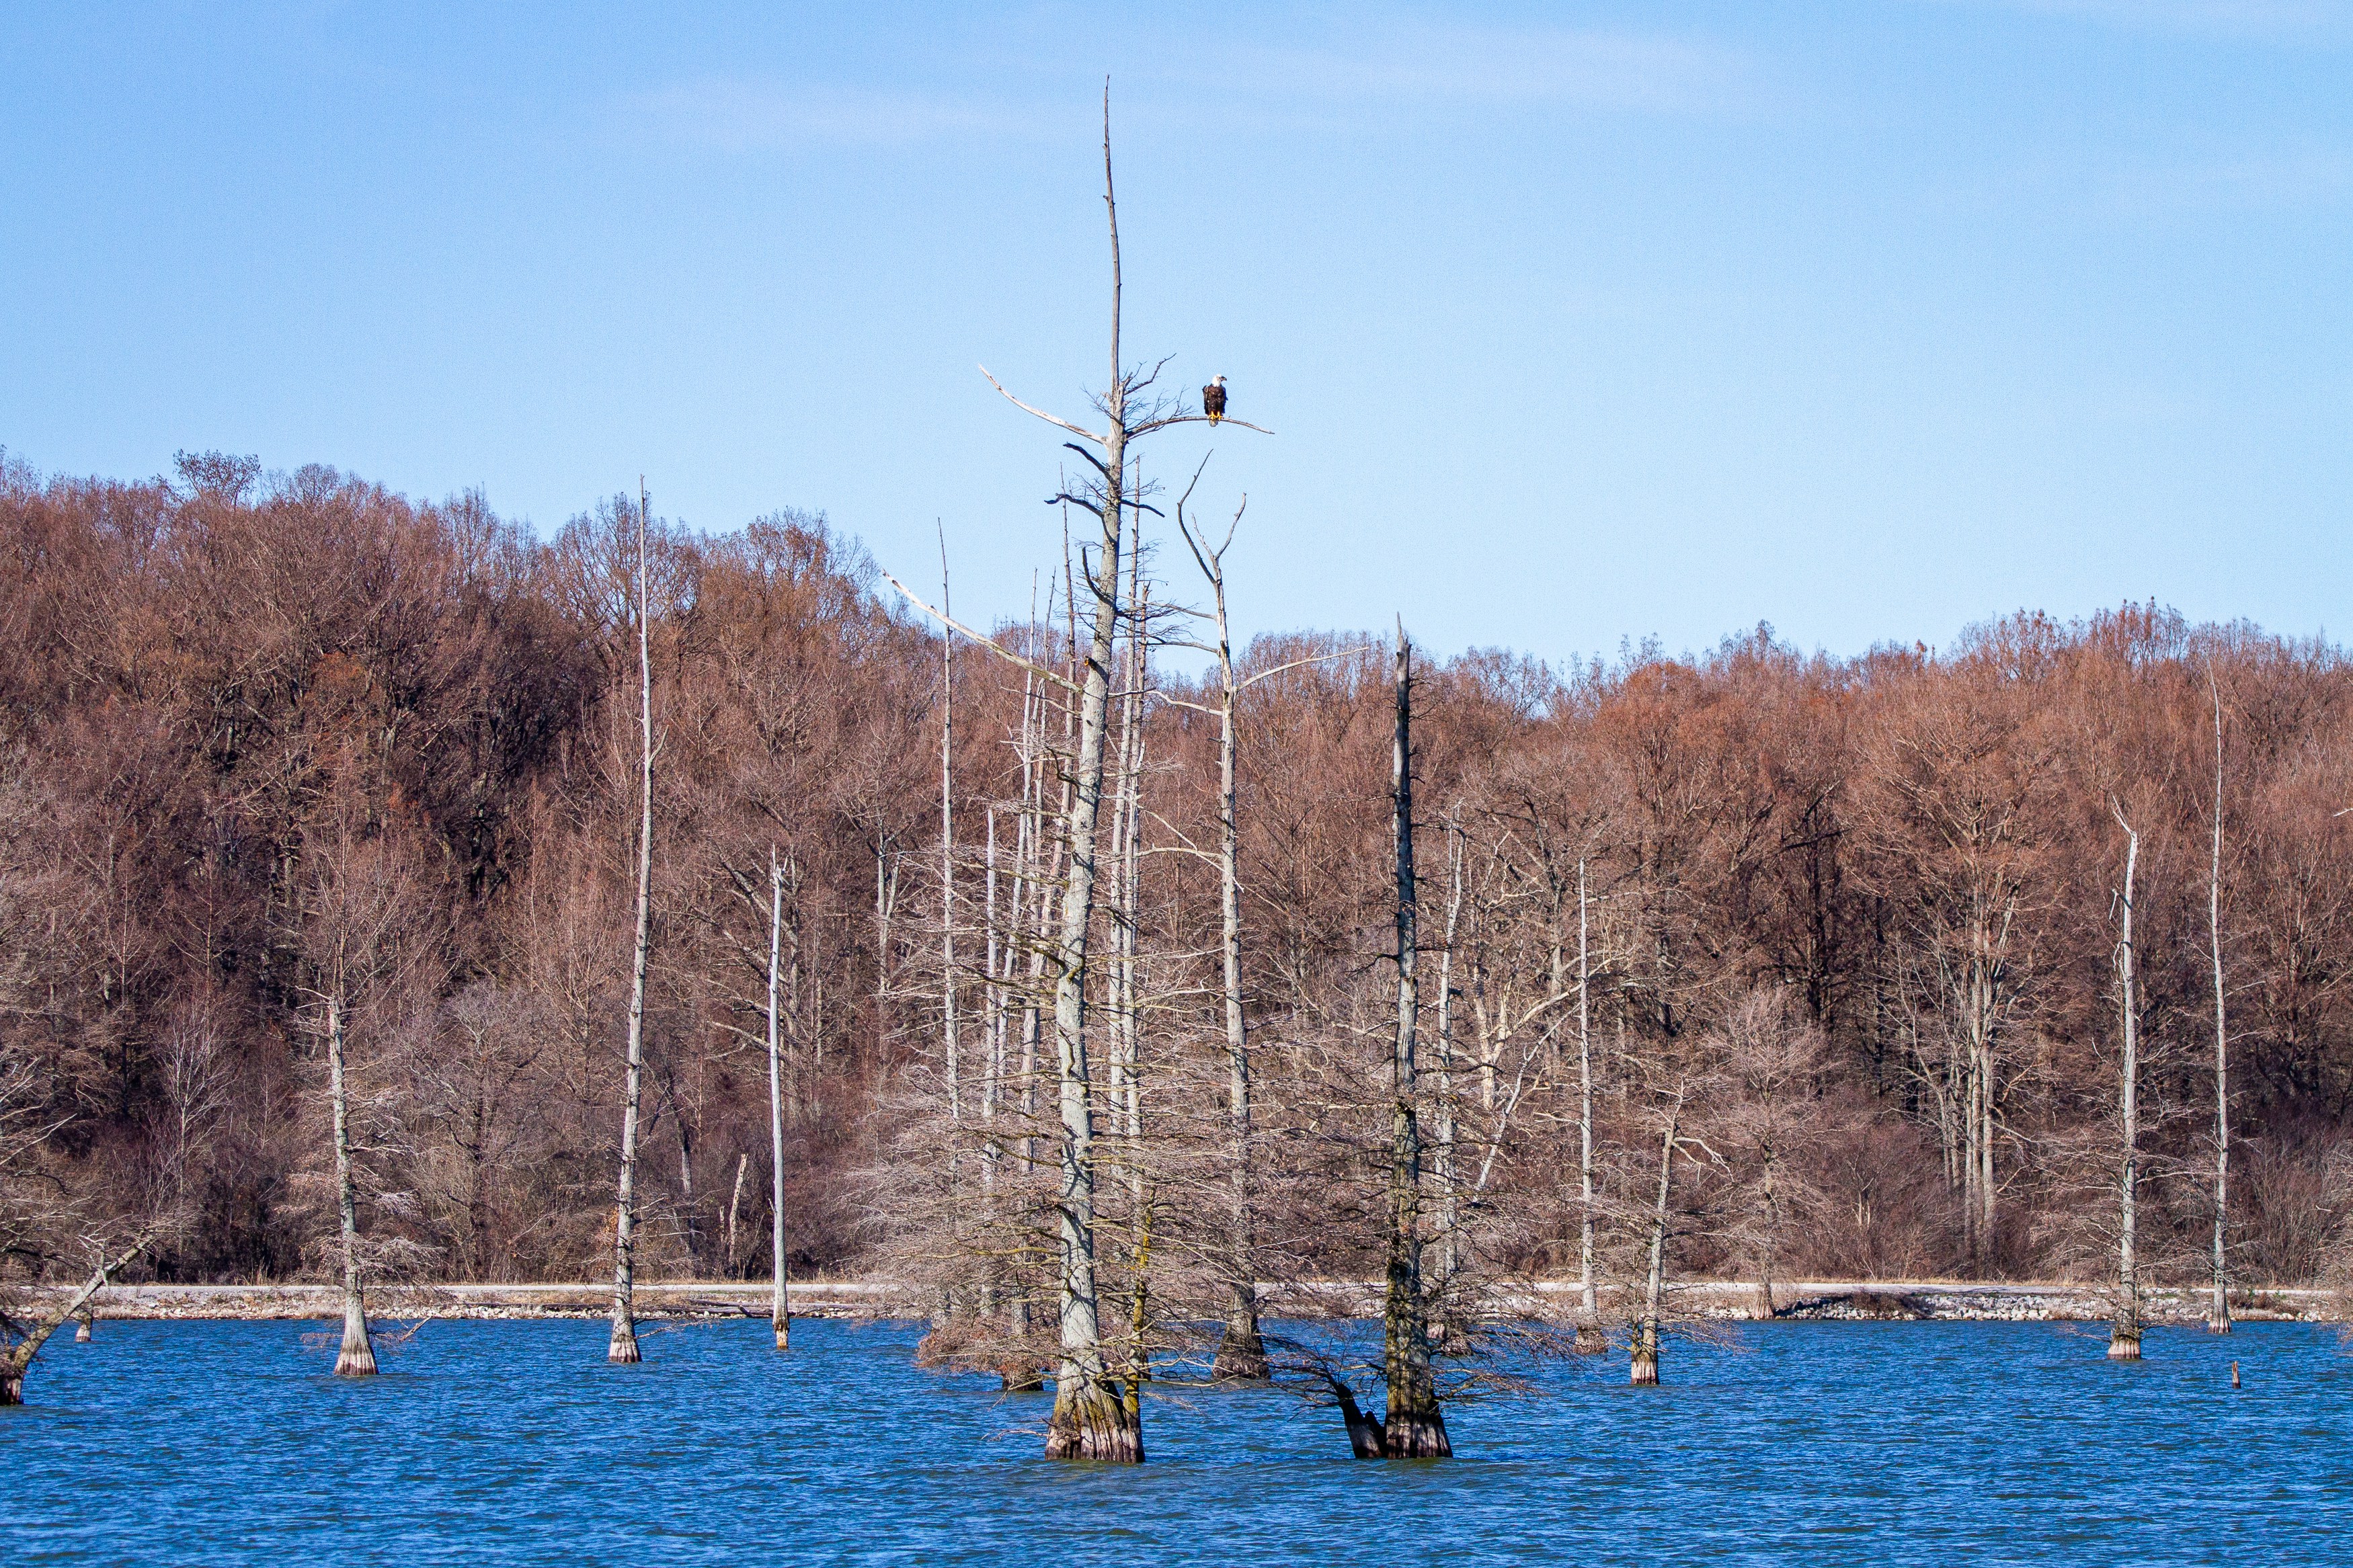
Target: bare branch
(989, 643)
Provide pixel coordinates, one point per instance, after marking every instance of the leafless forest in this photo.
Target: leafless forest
(1854, 924)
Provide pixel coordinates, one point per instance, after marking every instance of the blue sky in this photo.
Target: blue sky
(1575, 322)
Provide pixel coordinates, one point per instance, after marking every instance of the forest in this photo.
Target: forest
(264, 727)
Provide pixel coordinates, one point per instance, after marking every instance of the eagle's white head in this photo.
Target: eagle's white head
(1220, 381)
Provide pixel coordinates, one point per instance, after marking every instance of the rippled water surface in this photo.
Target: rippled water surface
(514, 1443)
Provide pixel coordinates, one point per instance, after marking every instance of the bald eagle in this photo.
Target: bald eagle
(1213, 400)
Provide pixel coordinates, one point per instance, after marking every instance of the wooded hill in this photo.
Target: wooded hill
(259, 725)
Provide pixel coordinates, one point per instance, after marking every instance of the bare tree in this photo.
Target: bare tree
(2123, 1342)
(1415, 1427)
(2218, 1313)
(624, 1347)
(1093, 1419)
(779, 1312)
(26, 1339)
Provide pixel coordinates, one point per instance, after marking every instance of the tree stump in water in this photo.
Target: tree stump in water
(2123, 1342)
(1241, 1353)
(1590, 1340)
(357, 1358)
(623, 1351)
(1646, 1367)
(83, 1327)
(1091, 1421)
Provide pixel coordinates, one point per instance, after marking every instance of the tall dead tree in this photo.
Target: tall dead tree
(1645, 1368)
(1588, 1300)
(2123, 1342)
(624, 1347)
(1415, 1428)
(950, 1035)
(2218, 1311)
(1241, 1352)
(1091, 1418)
(779, 1307)
(356, 1358)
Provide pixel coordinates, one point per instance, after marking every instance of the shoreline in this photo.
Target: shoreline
(1876, 1300)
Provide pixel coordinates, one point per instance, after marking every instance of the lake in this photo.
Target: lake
(514, 1443)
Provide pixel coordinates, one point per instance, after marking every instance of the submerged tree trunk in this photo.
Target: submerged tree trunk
(2123, 1342)
(1646, 1328)
(2218, 1311)
(622, 1349)
(357, 1357)
(779, 1314)
(1415, 1428)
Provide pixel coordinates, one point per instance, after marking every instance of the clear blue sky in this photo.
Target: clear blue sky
(1576, 321)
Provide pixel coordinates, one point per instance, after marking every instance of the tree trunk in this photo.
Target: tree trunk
(357, 1357)
(779, 1312)
(2123, 1342)
(949, 1032)
(1587, 1296)
(2218, 1312)
(1090, 1419)
(1241, 1352)
(1646, 1329)
(17, 1359)
(622, 1349)
(1415, 1428)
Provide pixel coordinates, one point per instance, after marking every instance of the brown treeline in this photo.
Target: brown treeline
(1855, 922)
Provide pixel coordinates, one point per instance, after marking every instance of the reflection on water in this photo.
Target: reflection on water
(514, 1443)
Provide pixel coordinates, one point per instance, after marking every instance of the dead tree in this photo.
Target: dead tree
(1645, 1369)
(2123, 1342)
(624, 1347)
(17, 1359)
(1091, 1418)
(1415, 1428)
(779, 1309)
(2218, 1312)
(357, 1356)
(1587, 1297)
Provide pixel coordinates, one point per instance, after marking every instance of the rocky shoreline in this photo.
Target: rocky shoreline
(1852, 1301)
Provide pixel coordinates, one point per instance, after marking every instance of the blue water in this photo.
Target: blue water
(514, 1443)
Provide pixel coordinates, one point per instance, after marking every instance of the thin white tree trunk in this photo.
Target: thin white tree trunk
(1646, 1329)
(951, 1034)
(779, 1307)
(1241, 1349)
(1587, 1295)
(2123, 1342)
(622, 1349)
(357, 1356)
(2218, 1314)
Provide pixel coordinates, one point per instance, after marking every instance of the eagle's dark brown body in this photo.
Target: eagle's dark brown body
(1213, 400)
